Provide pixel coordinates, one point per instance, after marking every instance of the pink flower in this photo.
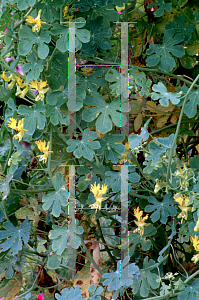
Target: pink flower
(119, 12)
(40, 296)
(6, 28)
(18, 68)
(152, 9)
(8, 59)
(34, 92)
(83, 61)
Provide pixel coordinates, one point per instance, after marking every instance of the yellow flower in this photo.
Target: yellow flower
(195, 258)
(70, 19)
(21, 130)
(140, 221)
(65, 11)
(8, 79)
(13, 125)
(5, 77)
(195, 242)
(182, 201)
(37, 20)
(11, 84)
(98, 193)
(21, 85)
(20, 81)
(43, 148)
(39, 86)
(21, 93)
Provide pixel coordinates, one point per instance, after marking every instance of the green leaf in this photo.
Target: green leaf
(8, 265)
(191, 292)
(49, 12)
(114, 280)
(14, 236)
(82, 36)
(196, 13)
(107, 12)
(77, 92)
(31, 38)
(67, 294)
(135, 239)
(191, 106)
(59, 235)
(85, 146)
(116, 87)
(15, 158)
(115, 179)
(89, 177)
(160, 54)
(139, 81)
(110, 148)
(58, 198)
(158, 147)
(180, 27)
(53, 261)
(106, 113)
(5, 184)
(120, 3)
(147, 279)
(163, 95)
(91, 82)
(194, 162)
(55, 113)
(58, 71)
(135, 139)
(34, 116)
(5, 94)
(161, 210)
(34, 67)
(98, 38)
(162, 6)
(23, 4)
(94, 292)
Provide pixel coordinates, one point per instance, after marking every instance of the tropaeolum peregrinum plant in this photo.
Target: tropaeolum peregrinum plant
(63, 110)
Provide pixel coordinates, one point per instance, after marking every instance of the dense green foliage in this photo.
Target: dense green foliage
(79, 129)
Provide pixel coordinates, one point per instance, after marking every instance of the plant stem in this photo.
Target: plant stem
(73, 119)
(31, 191)
(169, 176)
(103, 240)
(9, 155)
(34, 252)
(49, 157)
